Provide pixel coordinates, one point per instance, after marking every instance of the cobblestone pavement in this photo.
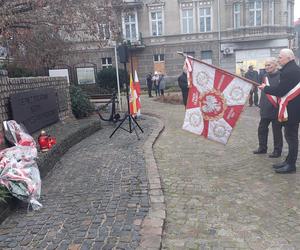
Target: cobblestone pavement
(223, 197)
(95, 198)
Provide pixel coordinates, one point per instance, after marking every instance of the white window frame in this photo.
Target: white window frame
(159, 58)
(104, 30)
(205, 19)
(255, 10)
(185, 21)
(106, 64)
(271, 12)
(156, 21)
(130, 23)
(236, 15)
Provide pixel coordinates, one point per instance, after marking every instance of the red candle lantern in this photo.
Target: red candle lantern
(43, 141)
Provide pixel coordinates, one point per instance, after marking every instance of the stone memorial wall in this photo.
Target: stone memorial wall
(12, 86)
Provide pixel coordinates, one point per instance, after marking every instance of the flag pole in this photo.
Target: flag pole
(215, 67)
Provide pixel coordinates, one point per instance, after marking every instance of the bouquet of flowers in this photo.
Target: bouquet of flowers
(19, 172)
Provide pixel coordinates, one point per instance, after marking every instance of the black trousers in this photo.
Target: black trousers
(253, 96)
(291, 136)
(149, 90)
(263, 131)
(185, 93)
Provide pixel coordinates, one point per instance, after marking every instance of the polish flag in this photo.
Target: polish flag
(132, 98)
(137, 86)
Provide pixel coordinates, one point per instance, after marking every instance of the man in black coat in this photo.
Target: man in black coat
(252, 75)
(289, 80)
(269, 113)
(149, 84)
(183, 84)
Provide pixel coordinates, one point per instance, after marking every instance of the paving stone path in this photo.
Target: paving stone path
(223, 197)
(95, 198)
(216, 197)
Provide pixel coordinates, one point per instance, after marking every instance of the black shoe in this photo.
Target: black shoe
(279, 165)
(286, 169)
(275, 154)
(260, 151)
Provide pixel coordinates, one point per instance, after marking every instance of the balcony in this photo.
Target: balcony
(136, 43)
(233, 35)
(257, 33)
(133, 3)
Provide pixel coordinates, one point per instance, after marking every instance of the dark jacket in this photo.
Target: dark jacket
(149, 80)
(182, 81)
(267, 110)
(183, 84)
(252, 75)
(289, 78)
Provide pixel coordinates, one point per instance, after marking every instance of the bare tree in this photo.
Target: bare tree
(37, 31)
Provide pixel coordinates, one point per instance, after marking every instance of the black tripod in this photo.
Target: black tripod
(132, 121)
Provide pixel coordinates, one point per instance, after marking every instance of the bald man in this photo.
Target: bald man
(288, 90)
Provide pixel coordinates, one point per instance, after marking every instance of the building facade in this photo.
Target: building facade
(231, 34)
(297, 40)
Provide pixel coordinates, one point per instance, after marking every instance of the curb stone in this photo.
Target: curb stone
(153, 223)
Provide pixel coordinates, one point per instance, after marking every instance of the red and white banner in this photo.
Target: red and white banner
(215, 102)
(137, 87)
(132, 97)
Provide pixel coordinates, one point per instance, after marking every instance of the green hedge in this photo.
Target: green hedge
(80, 103)
(107, 79)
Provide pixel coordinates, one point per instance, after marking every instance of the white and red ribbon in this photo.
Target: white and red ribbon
(283, 102)
(273, 99)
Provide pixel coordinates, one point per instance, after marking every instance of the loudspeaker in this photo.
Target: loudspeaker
(123, 53)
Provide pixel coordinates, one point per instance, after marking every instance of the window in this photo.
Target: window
(255, 10)
(86, 75)
(156, 23)
(104, 30)
(159, 58)
(106, 62)
(206, 56)
(130, 27)
(271, 12)
(190, 53)
(187, 21)
(236, 15)
(205, 19)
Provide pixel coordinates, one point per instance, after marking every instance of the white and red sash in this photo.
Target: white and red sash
(273, 99)
(283, 102)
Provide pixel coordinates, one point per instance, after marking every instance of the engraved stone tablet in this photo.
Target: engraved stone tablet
(35, 109)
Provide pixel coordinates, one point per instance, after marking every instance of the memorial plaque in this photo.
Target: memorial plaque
(35, 109)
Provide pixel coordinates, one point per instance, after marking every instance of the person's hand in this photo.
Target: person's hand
(262, 86)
